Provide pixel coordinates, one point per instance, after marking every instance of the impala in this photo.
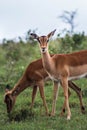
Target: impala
(34, 75)
(62, 67)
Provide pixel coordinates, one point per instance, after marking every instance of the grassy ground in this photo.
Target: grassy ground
(22, 118)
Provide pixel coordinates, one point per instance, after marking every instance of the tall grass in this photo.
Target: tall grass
(23, 118)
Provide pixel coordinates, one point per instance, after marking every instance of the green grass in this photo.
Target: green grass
(22, 118)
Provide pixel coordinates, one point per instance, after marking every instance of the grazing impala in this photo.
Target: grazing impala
(34, 75)
(62, 67)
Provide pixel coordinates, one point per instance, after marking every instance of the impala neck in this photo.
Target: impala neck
(19, 87)
(47, 61)
(17, 90)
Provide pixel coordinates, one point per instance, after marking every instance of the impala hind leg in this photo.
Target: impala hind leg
(79, 93)
(33, 96)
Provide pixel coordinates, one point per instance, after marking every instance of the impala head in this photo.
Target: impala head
(9, 99)
(43, 40)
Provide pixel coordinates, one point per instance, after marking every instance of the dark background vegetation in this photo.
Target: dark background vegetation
(16, 55)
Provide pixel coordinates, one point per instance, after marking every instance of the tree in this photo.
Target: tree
(69, 18)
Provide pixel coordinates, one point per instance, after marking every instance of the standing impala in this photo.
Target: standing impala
(34, 76)
(62, 67)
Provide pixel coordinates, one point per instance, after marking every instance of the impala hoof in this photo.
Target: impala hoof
(47, 114)
(83, 109)
(52, 114)
(68, 117)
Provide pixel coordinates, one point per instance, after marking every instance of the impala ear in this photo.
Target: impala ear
(34, 36)
(51, 34)
(7, 88)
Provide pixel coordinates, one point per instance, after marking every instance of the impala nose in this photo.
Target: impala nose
(43, 49)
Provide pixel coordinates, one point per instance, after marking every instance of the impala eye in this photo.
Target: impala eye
(39, 40)
(48, 40)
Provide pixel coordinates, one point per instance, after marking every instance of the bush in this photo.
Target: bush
(72, 43)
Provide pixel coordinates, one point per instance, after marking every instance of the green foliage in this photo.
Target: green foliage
(12, 51)
(73, 43)
(15, 56)
(66, 43)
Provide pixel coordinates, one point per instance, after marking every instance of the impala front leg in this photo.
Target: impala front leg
(33, 96)
(41, 89)
(66, 102)
(64, 106)
(55, 94)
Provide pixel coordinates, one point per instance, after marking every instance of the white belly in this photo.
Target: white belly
(52, 77)
(78, 77)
